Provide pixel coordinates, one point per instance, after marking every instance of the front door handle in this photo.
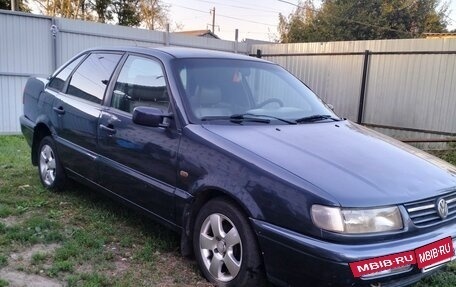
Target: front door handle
(60, 110)
(109, 128)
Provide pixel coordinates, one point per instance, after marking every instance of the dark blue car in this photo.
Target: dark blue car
(261, 179)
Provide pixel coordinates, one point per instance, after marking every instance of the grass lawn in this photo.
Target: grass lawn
(81, 238)
(78, 237)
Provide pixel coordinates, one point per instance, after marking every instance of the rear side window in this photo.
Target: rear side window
(58, 82)
(141, 82)
(90, 80)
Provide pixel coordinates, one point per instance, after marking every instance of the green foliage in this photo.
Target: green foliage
(3, 283)
(94, 234)
(441, 279)
(151, 13)
(5, 210)
(343, 20)
(34, 230)
(147, 254)
(449, 155)
(3, 261)
(60, 266)
(69, 250)
(101, 8)
(89, 280)
(38, 258)
(6, 5)
(127, 12)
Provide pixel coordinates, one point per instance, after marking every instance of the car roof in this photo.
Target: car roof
(181, 52)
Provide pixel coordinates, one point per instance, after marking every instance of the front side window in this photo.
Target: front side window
(222, 88)
(90, 80)
(141, 82)
(58, 81)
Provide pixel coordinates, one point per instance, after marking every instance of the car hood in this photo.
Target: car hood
(357, 166)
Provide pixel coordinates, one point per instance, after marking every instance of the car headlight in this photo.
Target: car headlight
(355, 220)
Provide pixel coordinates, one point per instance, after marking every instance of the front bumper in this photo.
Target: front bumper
(293, 259)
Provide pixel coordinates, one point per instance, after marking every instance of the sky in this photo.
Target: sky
(255, 19)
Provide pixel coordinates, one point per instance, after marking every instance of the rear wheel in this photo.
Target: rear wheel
(49, 168)
(225, 246)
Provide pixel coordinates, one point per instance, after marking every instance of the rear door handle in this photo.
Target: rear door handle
(108, 128)
(60, 110)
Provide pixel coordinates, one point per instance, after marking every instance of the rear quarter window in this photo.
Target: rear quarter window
(58, 81)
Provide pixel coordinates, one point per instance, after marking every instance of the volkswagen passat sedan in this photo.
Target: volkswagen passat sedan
(260, 178)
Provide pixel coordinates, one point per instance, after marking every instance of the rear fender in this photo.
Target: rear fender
(34, 87)
(32, 91)
(43, 128)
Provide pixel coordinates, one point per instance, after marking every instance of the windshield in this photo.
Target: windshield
(224, 89)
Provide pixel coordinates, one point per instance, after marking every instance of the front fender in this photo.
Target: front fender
(213, 166)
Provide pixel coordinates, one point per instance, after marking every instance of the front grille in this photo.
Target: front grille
(424, 212)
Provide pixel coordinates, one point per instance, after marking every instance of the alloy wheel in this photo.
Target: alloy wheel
(220, 247)
(47, 165)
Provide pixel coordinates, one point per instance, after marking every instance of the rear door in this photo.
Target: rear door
(138, 162)
(79, 110)
(54, 91)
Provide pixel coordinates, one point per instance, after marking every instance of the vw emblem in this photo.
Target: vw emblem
(442, 208)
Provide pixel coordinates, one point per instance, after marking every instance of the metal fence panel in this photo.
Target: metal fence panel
(11, 103)
(404, 135)
(207, 43)
(75, 36)
(25, 50)
(401, 45)
(83, 35)
(334, 78)
(412, 90)
(28, 47)
(25, 44)
(328, 76)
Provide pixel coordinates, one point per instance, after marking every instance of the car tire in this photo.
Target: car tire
(50, 169)
(225, 246)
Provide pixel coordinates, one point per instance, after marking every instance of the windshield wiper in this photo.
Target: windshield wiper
(214, 118)
(316, 118)
(235, 119)
(242, 117)
(247, 116)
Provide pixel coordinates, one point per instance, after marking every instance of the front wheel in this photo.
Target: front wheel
(49, 168)
(225, 246)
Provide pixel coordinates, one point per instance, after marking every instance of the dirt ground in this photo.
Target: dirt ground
(22, 260)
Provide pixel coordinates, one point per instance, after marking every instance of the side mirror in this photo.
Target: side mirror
(152, 117)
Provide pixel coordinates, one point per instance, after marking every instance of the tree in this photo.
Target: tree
(102, 9)
(6, 5)
(127, 12)
(338, 20)
(291, 28)
(73, 9)
(153, 14)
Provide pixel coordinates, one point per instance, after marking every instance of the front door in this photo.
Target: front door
(138, 162)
